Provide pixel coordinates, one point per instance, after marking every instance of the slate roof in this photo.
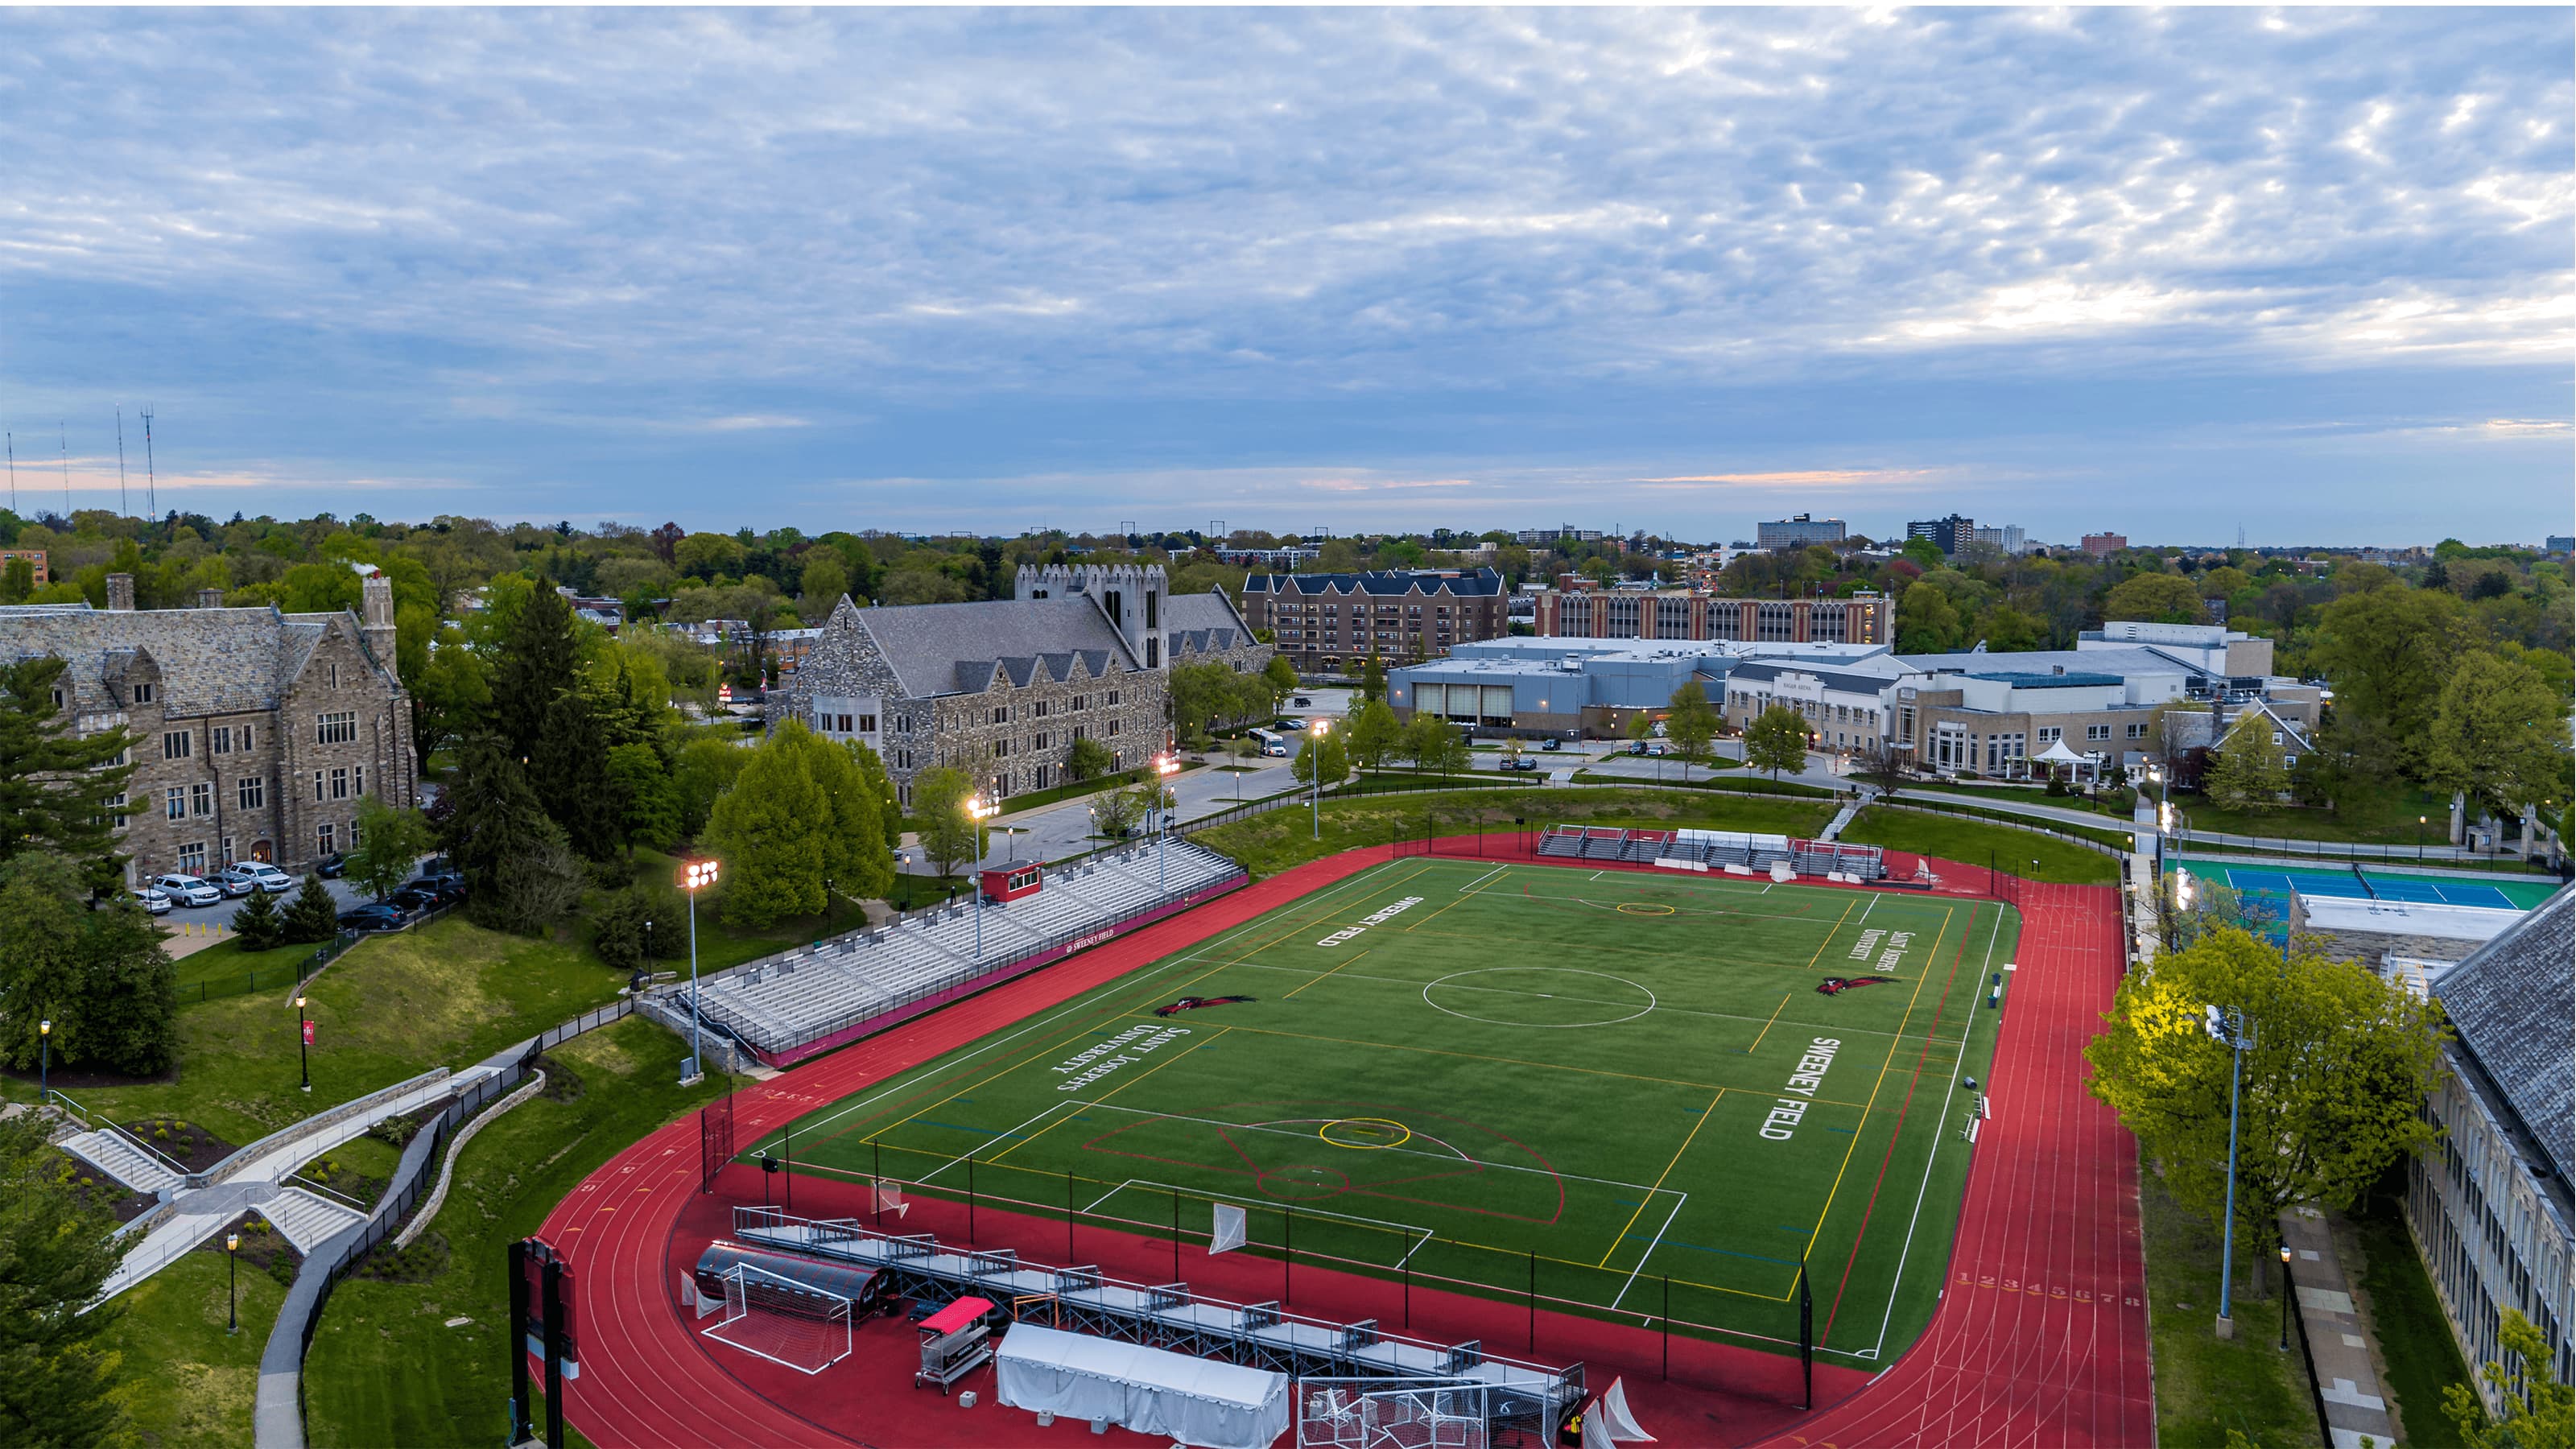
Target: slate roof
(938, 648)
(210, 661)
(1379, 581)
(1197, 623)
(2513, 1003)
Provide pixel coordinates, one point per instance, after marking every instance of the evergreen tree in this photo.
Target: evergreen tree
(538, 658)
(55, 785)
(569, 772)
(1372, 681)
(618, 929)
(647, 803)
(98, 974)
(258, 924)
(312, 915)
(520, 874)
(58, 1380)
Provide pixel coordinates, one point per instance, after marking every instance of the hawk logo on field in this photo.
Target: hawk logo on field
(1837, 985)
(1193, 1003)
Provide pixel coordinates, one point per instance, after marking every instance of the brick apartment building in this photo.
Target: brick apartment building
(1864, 618)
(1335, 623)
(256, 733)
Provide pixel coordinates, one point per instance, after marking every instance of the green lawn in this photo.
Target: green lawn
(1740, 784)
(1453, 1067)
(2205, 1386)
(385, 1368)
(187, 1382)
(2414, 1339)
(1268, 844)
(2382, 814)
(394, 1006)
(226, 968)
(1972, 843)
(2117, 839)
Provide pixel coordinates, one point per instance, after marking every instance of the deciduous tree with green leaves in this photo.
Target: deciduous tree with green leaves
(1691, 725)
(2165, 598)
(1372, 734)
(1776, 741)
(1927, 622)
(2250, 770)
(58, 1379)
(647, 801)
(802, 813)
(2538, 1411)
(2499, 734)
(2333, 1089)
(1280, 677)
(949, 835)
(1322, 756)
(390, 842)
(2389, 651)
(1085, 759)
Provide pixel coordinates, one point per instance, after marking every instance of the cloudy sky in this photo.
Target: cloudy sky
(2305, 272)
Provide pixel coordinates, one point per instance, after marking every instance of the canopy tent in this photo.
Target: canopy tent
(1147, 1390)
(2058, 754)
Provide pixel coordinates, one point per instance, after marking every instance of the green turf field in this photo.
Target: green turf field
(1445, 1067)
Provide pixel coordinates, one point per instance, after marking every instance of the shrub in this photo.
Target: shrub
(2056, 786)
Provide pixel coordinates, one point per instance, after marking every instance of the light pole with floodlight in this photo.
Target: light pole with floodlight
(2229, 1027)
(1315, 769)
(303, 1042)
(695, 876)
(1164, 767)
(45, 1060)
(978, 811)
(232, 1283)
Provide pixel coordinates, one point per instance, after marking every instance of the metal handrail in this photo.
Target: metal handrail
(99, 1124)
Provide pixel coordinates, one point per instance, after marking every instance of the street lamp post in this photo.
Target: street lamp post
(2227, 1024)
(2419, 836)
(978, 811)
(695, 876)
(2285, 1298)
(303, 1042)
(45, 1060)
(1315, 770)
(232, 1283)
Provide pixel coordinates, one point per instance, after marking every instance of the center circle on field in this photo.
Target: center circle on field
(1643, 908)
(1301, 1182)
(1365, 1134)
(1545, 996)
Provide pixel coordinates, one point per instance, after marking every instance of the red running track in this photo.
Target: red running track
(2057, 1357)
(2041, 1336)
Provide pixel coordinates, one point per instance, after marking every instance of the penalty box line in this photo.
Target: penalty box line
(1079, 1004)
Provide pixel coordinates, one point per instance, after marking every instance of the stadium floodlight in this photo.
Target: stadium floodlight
(695, 876)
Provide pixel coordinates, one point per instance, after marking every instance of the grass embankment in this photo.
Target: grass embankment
(2121, 840)
(1268, 844)
(384, 1367)
(2369, 814)
(2206, 1386)
(1972, 843)
(1737, 784)
(2417, 1353)
(187, 1381)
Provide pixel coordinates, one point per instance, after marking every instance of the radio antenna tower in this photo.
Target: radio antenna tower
(63, 435)
(122, 506)
(13, 472)
(151, 481)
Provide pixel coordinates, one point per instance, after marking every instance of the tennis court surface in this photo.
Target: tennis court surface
(2276, 884)
(1468, 1074)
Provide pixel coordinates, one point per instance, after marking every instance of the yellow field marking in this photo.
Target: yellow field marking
(1892, 1044)
(1643, 908)
(1364, 951)
(1836, 927)
(996, 1158)
(1326, 1133)
(1775, 1016)
(1622, 1235)
(1518, 1254)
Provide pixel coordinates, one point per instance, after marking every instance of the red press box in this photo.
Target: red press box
(1012, 882)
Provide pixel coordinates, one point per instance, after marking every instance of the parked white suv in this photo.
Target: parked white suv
(152, 901)
(188, 890)
(243, 877)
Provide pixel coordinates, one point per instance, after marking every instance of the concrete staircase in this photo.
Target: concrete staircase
(118, 1157)
(308, 1220)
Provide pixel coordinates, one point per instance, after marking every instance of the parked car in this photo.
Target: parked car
(450, 881)
(152, 901)
(232, 880)
(188, 890)
(265, 876)
(332, 866)
(1551, 743)
(1519, 762)
(378, 917)
(416, 898)
(1301, 701)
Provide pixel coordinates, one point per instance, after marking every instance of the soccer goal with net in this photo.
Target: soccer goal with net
(782, 1320)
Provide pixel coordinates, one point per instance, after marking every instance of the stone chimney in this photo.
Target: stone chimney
(210, 598)
(376, 614)
(120, 593)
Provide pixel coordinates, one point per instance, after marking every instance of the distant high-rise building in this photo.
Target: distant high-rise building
(1798, 532)
(2009, 538)
(2103, 544)
(1952, 534)
(2558, 543)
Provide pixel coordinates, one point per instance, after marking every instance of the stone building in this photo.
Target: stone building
(1169, 629)
(2490, 1206)
(255, 732)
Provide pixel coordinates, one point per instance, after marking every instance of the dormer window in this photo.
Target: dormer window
(143, 694)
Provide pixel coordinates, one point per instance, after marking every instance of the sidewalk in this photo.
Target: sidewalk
(2345, 1365)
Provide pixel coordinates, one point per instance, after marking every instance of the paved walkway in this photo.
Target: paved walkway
(2347, 1372)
